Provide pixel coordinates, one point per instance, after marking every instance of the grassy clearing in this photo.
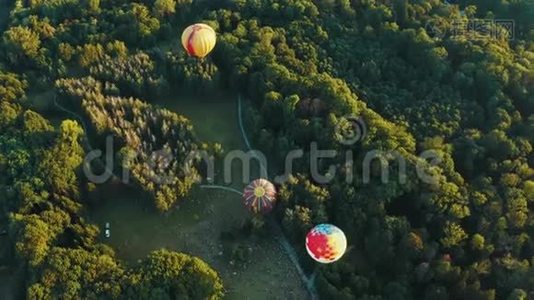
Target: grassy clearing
(196, 226)
(4, 13)
(11, 279)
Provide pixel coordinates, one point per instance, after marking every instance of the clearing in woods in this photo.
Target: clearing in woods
(196, 226)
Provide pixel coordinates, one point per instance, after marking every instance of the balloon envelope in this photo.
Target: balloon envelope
(260, 196)
(199, 39)
(326, 243)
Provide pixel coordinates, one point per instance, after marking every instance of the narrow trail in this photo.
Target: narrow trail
(309, 283)
(245, 138)
(221, 187)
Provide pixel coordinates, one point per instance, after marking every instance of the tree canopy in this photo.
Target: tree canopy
(419, 74)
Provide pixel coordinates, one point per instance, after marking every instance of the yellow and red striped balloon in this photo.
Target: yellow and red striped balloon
(199, 40)
(260, 196)
(326, 243)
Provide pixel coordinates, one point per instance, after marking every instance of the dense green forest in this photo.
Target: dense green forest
(403, 66)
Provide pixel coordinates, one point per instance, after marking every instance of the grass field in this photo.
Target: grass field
(10, 276)
(196, 227)
(4, 13)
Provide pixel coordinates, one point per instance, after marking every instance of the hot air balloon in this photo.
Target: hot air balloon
(326, 243)
(260, 196)
(199, 39)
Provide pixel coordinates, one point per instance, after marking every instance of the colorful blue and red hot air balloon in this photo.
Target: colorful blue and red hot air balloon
(326, 243)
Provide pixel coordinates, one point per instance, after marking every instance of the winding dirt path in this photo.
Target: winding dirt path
(309, 283)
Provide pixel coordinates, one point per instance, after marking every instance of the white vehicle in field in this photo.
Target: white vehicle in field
(108, 230)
